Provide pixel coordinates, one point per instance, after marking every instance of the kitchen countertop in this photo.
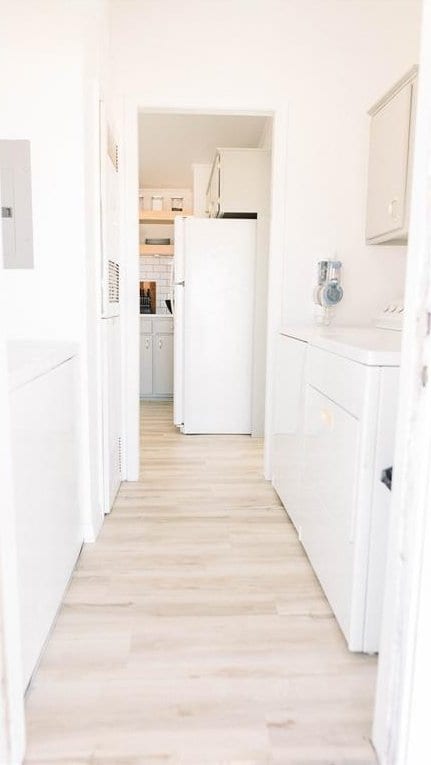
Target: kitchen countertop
(366, 345)
(30, 359)
(156, 316)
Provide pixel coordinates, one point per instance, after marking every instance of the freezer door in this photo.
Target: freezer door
(218, 310)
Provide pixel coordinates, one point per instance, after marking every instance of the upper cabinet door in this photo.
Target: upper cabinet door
(213, 192)
(389, 170)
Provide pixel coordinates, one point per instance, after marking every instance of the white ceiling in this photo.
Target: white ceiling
(170, 143)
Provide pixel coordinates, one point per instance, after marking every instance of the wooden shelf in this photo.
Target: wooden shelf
(160, 216)
(156, 249)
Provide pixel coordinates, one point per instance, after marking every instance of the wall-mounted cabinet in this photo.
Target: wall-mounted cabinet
(390, 163)
(157, 357)
(238, 184)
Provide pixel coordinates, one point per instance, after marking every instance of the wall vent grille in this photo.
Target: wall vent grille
(114, 282)
(120, 455)
(112, 149)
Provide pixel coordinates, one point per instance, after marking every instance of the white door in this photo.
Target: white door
(110, 194)
(146, 363)
(163, 365)
(218, 325)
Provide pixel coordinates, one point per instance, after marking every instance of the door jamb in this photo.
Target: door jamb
(130, 317)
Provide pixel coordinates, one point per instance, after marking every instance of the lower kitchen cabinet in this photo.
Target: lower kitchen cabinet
(156, 357)
(163, 365)
(146, 365)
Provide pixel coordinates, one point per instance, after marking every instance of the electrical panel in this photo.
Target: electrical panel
(16, 204)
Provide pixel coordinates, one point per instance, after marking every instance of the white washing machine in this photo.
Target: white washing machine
(333, 436)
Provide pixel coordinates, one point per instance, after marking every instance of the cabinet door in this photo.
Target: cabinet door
(213, 194)
(388, 170)
(329, 499)
(163, 365)
(244, 181)
(146, 381)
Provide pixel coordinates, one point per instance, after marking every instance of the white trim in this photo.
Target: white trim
(408, 77)
(12, 717)
(277, 250)
(129, 171)
(131, 261)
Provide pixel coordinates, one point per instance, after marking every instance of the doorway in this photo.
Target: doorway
(193, 168)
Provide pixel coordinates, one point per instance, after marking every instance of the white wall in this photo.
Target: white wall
(51, 52)
(328, 61)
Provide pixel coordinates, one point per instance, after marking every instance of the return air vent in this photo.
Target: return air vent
(112, 149)
(120, 455)
(114, 282)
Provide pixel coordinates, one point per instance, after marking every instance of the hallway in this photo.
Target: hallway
(194, 630)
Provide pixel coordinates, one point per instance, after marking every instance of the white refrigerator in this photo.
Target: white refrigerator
(214, 295)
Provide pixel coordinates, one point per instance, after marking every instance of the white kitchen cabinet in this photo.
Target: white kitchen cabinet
(163, 365)
(239, 183)
(390, 163)
(201, 174)
(156, 357)
(146, 357)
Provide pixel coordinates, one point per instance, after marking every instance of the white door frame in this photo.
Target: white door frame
(401, 732)
(130, 316)
(12, 716)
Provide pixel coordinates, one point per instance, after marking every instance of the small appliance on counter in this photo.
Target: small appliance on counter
(329, 291)
(147, 297)
(177, 204)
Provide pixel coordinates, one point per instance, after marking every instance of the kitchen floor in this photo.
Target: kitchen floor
(194, 631)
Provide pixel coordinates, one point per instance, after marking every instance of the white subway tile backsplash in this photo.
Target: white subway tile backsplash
(157, 269)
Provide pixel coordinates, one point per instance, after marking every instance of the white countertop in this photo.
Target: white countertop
(366, 345)
(156, 316)
(29, 359)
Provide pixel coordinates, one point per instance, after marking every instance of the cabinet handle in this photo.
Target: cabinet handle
(393, 208)
(147, 344)
(327, 418)
(160, 343)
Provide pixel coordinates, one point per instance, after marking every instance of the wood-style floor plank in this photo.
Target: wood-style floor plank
(194, 631)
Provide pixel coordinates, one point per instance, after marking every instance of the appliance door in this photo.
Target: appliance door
(288, 425)
(178, 311)
(219, 272)
(332, 438)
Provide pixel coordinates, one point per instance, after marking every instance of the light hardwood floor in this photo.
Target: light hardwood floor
(194, 631)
